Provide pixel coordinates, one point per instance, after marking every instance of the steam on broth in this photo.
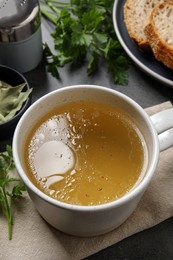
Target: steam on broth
(85, 153)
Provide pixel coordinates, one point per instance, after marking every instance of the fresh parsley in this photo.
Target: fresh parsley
(84, 33)
(10, 188)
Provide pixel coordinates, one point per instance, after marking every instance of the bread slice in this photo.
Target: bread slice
(159, 33)
(136, 16)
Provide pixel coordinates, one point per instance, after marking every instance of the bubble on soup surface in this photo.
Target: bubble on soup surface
(52, 124)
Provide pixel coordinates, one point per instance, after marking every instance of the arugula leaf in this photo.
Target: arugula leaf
(84, 33)
(8, 193)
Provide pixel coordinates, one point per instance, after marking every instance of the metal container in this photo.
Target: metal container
(20, 34)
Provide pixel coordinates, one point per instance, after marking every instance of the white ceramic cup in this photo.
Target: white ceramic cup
(92, 220)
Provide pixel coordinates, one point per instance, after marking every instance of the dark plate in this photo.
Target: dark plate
(144, 61)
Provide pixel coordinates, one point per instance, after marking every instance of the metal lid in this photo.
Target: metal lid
(19, 19)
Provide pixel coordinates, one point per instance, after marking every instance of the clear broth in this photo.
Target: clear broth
(85, 153)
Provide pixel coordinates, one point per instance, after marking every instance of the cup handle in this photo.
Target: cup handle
(163, 123)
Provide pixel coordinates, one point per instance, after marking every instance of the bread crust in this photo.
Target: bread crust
(136, 18)
(128, 11)
(162, 51)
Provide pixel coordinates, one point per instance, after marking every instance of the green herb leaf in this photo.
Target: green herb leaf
(84, 33)
(9, 191)
(11, 100)
(17, 191)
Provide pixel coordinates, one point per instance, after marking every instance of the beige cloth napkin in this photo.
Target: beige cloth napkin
(34, 239)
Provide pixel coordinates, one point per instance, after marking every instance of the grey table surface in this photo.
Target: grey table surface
(156, 242)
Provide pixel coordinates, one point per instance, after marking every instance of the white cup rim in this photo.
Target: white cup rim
(116, 203)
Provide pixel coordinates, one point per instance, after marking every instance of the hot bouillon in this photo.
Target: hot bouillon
(85, 153)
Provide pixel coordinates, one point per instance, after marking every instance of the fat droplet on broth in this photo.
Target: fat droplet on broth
(52, 124)
(52, 179)
(73, 172)
(41, 137)
(52, 158)
(52, 192)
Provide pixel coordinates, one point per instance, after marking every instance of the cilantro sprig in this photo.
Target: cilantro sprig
(10, 188)
(84, 33)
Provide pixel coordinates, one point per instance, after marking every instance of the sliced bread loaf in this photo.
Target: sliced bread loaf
(136, 16)
(159, 33)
